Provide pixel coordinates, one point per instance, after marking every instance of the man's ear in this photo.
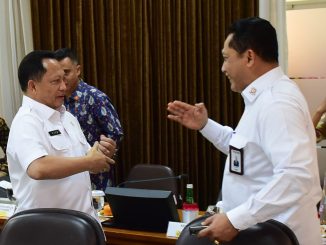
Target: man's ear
(250, 57)
(78, 67)
(31, 86)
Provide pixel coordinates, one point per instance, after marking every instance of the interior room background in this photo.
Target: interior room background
(307, 57)
(143, 54)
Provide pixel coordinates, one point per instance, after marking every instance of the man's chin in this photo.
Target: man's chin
(233, 87)
(59, 102)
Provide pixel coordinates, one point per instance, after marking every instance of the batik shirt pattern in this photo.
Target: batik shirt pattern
(96, 116)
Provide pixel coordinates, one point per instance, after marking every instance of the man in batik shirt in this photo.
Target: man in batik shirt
(93, 108)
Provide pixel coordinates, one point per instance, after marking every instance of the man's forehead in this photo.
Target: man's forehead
(47, 62)
(67, 61)
(228, 40)
(53, 66)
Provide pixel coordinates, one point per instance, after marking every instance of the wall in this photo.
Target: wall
(307, 59)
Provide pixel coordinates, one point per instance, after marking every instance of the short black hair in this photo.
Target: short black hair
(31, 67)
(63, 53)
(257, 34)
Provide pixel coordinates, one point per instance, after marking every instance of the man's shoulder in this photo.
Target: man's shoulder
(25, 121)
(283, 90)
(24, 113)
(92, 91)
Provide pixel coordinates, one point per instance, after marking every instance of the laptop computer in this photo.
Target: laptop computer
(141, 209)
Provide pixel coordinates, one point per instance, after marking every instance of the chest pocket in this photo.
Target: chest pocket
(82, 139)
(59, 142)
(76, 134)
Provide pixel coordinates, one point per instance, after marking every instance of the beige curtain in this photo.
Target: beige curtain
(143, 54)
(16, 40)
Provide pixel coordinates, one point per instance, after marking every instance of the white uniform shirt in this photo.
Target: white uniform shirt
(280, 173)
(29, 139)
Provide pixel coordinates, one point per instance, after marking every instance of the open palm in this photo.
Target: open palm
(190, 116)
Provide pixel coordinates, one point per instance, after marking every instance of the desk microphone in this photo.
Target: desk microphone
(181, 176)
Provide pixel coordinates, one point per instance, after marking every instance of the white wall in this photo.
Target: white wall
(307, 59)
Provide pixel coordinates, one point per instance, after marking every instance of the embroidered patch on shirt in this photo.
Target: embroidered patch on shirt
(54, 132)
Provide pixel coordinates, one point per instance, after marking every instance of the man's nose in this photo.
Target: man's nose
(63, 85)
(65, 79)
(222, 68)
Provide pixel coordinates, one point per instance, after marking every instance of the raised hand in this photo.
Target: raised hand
(190, 116)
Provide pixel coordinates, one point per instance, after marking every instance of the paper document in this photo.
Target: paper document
(5, 184)
(6, 210)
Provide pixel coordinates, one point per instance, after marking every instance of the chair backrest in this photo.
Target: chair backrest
(52, 226)
(270, 232)
(186, 238)
(156, 175)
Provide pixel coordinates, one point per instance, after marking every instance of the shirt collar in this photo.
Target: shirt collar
(42, 110)
(254, 89)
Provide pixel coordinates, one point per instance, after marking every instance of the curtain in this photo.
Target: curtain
(16, 40)
(144, 54)
(275, 12)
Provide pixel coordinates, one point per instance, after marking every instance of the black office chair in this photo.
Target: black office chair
(160, 177)
(52, 226)
(270, 232)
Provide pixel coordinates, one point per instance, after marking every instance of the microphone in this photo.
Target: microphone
(181, 176)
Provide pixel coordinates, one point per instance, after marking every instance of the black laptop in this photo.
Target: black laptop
(141, 209)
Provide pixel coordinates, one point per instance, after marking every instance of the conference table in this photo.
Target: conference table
(115, 236)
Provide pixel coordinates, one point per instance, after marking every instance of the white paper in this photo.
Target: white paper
(175, 228)
(5, 184)
(6, 210)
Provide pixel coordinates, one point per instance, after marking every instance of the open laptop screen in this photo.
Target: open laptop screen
(141, 209)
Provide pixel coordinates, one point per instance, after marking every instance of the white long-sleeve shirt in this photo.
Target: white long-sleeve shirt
(280, 172)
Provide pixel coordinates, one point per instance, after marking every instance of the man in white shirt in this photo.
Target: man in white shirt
(276, 176)
(48, 156)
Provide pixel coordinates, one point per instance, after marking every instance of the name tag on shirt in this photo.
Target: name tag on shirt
(54, 132)
(236, 160)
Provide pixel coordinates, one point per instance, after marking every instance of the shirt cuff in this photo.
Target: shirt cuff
(240, 217)
(210, 127)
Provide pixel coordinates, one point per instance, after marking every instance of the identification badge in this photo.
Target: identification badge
(236, 160)
(54, 132)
